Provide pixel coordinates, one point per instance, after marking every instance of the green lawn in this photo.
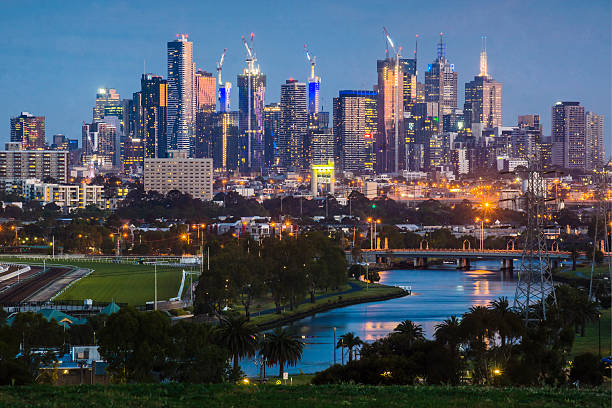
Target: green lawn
(300, 396)
(123, 283)
(589, 343)
(371, 292)
(584, 271)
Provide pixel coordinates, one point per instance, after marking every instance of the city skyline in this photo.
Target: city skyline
(529, 63)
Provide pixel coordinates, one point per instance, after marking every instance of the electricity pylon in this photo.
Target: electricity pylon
(535, 281)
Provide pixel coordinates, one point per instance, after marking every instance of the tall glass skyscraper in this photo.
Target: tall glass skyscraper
(181, 94)
(251, 149)
(441, 82)
(29, 131)
(293, 125)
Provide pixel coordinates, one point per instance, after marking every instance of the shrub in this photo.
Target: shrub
(587, 369)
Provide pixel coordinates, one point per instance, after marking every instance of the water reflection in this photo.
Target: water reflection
(437, 294)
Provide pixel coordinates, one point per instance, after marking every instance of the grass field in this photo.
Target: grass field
(589, 343)
(302, 396)
(584, 271)
(374, 291)
(123, 283)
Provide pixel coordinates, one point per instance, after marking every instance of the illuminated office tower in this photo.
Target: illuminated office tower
(422, 124)
(322, 147)
(29, 131)
(251, 146)
(355, 127)
(151, 120)
(530, 121)
(595, 140)
(441, 82)
(206, 89)
(181, 94)
(569, 136)
(293, 125)
(524, 142)
(100, 145)
(106, 98)
(483, 98)
(272, 115)
(225, 91)
(225, 134)
(390, 109)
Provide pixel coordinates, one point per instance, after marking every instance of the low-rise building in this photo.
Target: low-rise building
(178, 172)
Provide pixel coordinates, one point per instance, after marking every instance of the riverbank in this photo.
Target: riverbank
(360, 293)
(298, 396)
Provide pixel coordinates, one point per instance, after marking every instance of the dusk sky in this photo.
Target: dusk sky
(56, 54)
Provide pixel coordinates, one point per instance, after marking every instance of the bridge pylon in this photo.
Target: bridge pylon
(535, 281)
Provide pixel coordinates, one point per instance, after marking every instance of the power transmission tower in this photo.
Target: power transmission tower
(535, 282)
(601, 216)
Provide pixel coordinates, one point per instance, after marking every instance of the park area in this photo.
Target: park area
(298, 396)
(121, 282)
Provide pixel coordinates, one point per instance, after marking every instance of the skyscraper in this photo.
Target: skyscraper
(100, 146)
(272, 117)
(206, 89)
(29, 131)
(105, 98)
(390, 108)
(181, 94)
(152, 118)
(595, 140)
(293, 125)
(355, 128)
(251, 149)
(483, 98)
(441, 82)
(569, 136)
(225, 135)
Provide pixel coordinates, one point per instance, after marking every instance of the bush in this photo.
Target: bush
(14, 372)
(586, 369)
(370, 371)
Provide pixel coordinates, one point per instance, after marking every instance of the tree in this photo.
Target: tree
(410, 331)
(239, 337)
(282, 347)
(586, 369)
(507, 323)
(350, 341)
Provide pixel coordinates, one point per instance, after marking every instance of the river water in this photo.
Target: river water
(437, 293)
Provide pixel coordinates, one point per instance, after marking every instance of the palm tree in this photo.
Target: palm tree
(282, 347)
(410, 330)
(507, 323)
(449, 333)
(239, 337)
(350, 341)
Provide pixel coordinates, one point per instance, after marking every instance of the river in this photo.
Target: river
(437, 293)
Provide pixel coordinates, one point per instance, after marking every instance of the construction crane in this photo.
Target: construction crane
(251, 56)
(312, 60)
(220, 66)
(397, 96)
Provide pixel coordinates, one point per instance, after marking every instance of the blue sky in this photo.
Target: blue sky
(55, 54)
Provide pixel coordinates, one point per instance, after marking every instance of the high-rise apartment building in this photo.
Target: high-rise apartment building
(569, 136)
(441, 82)
(251, 98)
(483, 98)
(100, 143)
(225, 134)
(355, 129)
(321, 147)
(293, 125)
(181, 94)
(206, 91)
(29, 131)
(272, 117)
(33, 164)
(596, 151)
(152, 105)
(390, 145)
(179, 172)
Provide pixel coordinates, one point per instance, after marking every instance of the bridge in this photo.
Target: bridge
(463, 256)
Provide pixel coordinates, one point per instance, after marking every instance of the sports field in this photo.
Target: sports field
(122, 283)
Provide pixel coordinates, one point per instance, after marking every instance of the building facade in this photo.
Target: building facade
(569, 136)
(251, 103)
(29, 131)
(37, 164)
(293, 125)
(441, 82)
(181, 94)
(483, 98)
(179, 172)
(596, 152)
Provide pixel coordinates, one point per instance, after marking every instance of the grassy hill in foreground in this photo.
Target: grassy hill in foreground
(224, 395)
